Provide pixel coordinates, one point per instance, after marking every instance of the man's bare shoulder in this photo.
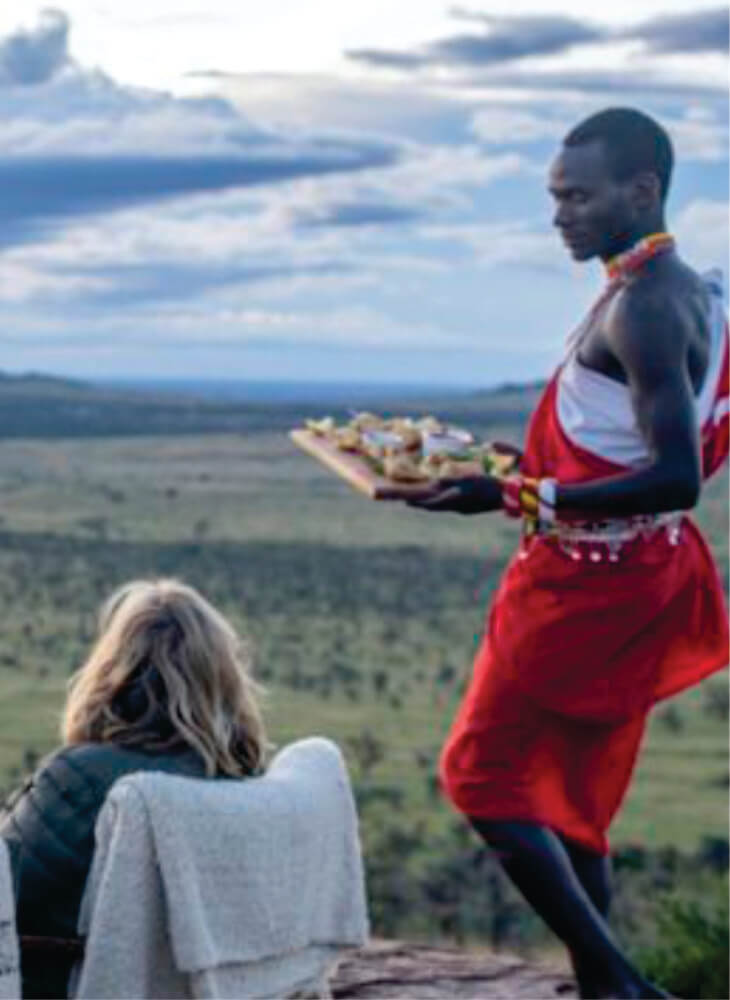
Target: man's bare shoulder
(664, 311)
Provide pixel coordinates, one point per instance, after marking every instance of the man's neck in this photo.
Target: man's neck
(625, 243)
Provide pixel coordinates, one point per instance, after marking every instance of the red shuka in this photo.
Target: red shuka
(577, 652)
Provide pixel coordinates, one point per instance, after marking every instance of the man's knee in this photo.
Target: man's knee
(506, 837)
(520, 839)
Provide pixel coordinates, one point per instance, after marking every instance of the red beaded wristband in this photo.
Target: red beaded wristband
(533, 499)
(519, 496)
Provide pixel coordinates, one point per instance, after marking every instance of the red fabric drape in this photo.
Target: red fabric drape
(577, 652)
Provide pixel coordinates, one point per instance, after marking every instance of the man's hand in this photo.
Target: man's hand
(469, 495)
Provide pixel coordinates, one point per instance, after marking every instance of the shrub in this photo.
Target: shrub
(672, 719)
(691, 957)
(715, 701)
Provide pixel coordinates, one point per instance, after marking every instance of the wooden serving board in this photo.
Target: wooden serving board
(356, 471)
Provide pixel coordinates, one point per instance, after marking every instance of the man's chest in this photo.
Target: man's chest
(593, 351)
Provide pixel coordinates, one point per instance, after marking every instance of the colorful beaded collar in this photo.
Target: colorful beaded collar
(631, 260)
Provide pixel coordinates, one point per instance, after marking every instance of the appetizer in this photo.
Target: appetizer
(408, 450)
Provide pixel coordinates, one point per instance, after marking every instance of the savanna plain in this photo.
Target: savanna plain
(362, 619)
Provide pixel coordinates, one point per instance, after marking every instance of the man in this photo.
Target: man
(612, 601)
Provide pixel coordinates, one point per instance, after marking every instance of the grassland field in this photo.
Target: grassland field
(363, 617)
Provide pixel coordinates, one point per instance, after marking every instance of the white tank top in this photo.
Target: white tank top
(595, 411)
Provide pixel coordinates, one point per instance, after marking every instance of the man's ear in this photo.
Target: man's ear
(646, 191)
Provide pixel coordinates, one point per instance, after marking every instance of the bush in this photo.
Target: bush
(715, 701)
(691, 957)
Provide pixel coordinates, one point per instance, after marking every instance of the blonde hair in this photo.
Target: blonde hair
(168, 670)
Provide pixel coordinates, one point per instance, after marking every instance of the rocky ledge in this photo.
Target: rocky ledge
(395, 969)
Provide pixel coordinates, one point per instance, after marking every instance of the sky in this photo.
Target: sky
(324, 190)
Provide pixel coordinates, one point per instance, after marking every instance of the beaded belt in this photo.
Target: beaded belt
(599, 540)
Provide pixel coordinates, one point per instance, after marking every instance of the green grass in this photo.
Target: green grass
(364, 618)
(336, 592)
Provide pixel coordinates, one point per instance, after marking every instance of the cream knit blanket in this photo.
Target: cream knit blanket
(9, 957)
(224, 888)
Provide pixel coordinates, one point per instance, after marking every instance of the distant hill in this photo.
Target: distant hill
(33, 381)
(35, 405)
(506, 388)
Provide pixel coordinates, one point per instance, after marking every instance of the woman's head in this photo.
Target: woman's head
(167, 670)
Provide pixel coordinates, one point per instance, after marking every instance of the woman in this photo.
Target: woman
(167, 687)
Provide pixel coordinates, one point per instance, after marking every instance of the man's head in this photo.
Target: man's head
(610, 182)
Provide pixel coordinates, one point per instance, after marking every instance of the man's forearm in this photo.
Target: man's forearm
(650, 490)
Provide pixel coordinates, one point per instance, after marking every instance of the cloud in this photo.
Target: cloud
(211, 324)
(388, 58)
(511, 38)
(309, 231)
(116, 285)
(701, 31)
(356, 105)
(22, 282)
(510, 125)
(314, 210)
(506, 39)
(639, 84)
(88, 114)
(700, 133)
(439, 176)
(525, 53)
(496, 244)
(701, 230)
(352, 325)
(39, 189)
(33, 56)
(76, 142)
(365, 213)
(164, 252)
(80, 144)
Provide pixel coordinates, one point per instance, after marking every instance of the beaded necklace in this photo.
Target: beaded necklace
(629, 261)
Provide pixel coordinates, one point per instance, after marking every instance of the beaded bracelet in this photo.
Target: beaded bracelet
(547, 493)
(532, 499)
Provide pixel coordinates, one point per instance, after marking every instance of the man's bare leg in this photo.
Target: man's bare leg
(594, 873)
(539, 865)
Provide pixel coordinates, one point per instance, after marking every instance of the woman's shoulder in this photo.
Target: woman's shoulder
(81, 761)
(103, 763)
(74, 774)
(63, 785)
(79, 776)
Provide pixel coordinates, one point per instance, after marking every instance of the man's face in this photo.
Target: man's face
(594, 212)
